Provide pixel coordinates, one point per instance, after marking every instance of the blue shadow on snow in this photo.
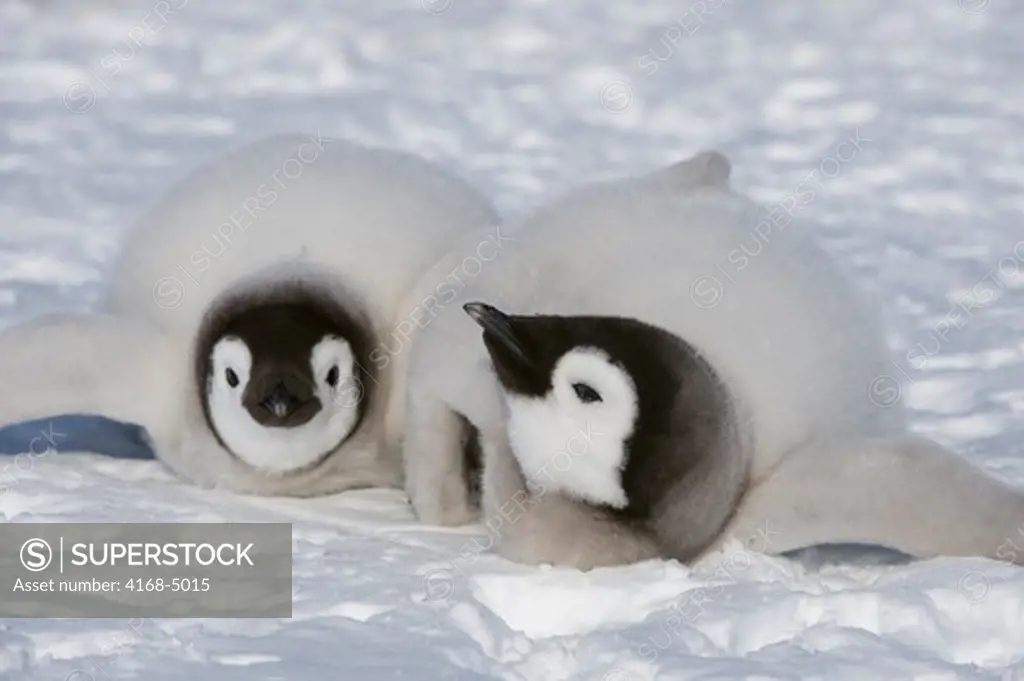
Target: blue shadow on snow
(75, 433)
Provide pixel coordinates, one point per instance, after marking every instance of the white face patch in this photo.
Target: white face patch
(574, 438)
(281, 450)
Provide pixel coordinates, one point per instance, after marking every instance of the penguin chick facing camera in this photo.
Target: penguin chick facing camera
(241, 316)
(651, 372)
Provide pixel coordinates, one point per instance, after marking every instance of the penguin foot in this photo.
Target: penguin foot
(445, 509)
(559, 531)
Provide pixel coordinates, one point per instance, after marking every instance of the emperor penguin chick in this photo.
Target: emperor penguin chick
(660, 371)
(243, 311)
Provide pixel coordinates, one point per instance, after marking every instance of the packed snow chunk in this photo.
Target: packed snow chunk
(553, 601)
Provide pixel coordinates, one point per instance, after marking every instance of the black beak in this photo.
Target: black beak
(497, 328)
(281, 399)
(280, 402)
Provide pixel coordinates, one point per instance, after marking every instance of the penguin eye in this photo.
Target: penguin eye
(585, 393)
(232, 378)
(332, 376)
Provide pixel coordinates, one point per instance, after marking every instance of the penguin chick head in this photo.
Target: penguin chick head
(608, 410)
(282, 385)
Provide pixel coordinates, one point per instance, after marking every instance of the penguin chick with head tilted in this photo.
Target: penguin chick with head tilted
(661, 369)
(242, 313)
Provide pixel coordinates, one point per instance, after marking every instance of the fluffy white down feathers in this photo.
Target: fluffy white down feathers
(358, 223)
(797, 346)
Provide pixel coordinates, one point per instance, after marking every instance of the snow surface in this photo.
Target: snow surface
(104, 103)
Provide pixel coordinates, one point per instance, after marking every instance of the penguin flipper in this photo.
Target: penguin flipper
(708, 168)
(113, 367)
(537, 526)
(904, 492)
(434, 450)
